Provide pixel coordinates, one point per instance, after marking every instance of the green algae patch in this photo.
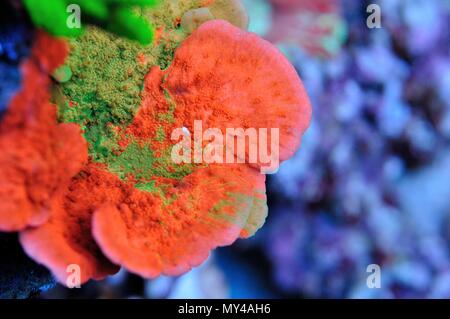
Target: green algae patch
(104, 90)
(148, 187)
(142, 163)
(100, 88)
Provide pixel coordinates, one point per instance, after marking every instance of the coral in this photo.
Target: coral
(49, 153)
(314, 25)
(313, 5)
(66, 238)
(128, 204)
(117, 16)
(252, 93)
(232, 11)
(369, 183)
(194, 18)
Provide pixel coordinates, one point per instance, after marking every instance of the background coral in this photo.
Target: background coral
(372, 172)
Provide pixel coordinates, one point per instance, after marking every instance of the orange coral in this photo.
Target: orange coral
(149, 238)
(66, 237)
(39, 156)
(235, 79)
(221, 75)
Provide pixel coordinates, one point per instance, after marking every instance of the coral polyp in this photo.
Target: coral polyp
(106, 192)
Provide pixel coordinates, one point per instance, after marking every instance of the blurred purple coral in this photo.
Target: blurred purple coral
(360, 191)
(370, 183)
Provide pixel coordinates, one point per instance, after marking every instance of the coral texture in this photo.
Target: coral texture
(115, 197)
(35, 170)
(315, 25)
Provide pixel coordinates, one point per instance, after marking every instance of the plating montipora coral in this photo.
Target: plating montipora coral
(86, 172)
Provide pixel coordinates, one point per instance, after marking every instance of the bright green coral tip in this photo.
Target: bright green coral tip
(66, 17)
(52, 16)
(126, 23)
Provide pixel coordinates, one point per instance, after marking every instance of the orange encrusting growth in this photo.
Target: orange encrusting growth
(231, 79)
(246, 84)
(221, 75)
(150, 237)
(39, 156)
(66, 237)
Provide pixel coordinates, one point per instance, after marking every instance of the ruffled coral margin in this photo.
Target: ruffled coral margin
(210, 209)
(236, 78)
(38, 156)
(38, 160)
